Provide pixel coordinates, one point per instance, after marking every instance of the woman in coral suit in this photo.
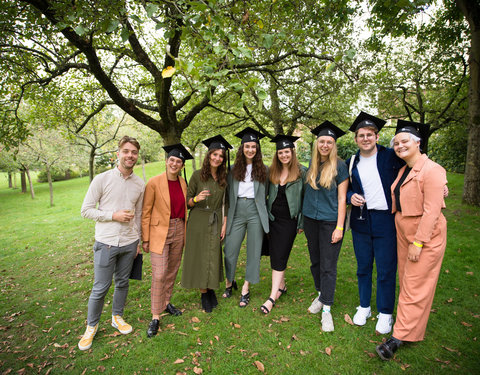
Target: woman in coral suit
(418, 199)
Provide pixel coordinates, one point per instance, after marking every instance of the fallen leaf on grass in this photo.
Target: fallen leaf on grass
(404, 366)
(284, 319)
(466, 324)
(64, 346)
(259, 365)
(216, 338)
(450, 300)
(444, 362)
(197, 370)
(195, 328)
(236, 325)
(302, 352)
(370, 354)
(348, 319)
(195, 320)
(294, 337)
(451, 350)
(470, 273)
(179, 360)
(328, 350)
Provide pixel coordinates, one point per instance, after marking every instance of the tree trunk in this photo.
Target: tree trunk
(32, 192)
(10, 183)
(143, 170)
(14, 180)
(471, 188)
(50, 185)
(91, 164)
(23, 181)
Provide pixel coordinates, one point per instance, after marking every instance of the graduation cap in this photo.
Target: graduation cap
(214, 143)
(364, 120)
(416, 128)
(249, 135)
(179, 151)
(219, 143)
(327, 128)
(284, 141)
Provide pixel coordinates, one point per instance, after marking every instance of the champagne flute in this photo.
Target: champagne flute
(361, 208)
(206, 188)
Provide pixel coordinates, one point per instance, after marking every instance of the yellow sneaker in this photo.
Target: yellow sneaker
(119, 323)
(86, 341)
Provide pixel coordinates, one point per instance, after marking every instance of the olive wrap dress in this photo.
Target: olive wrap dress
(202, 258)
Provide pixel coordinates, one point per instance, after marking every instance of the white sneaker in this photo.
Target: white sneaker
(384, 324)
(327, 322)
(119, 323)
(316, 306)
(361, 316)
(85, 342)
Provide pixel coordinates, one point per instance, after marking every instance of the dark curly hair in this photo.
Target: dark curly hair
(206, 173)
(259, 171)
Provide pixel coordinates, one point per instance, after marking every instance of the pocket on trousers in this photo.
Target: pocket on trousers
(101, 255)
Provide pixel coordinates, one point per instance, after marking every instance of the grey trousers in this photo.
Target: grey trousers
(245, 219)
(107, 262)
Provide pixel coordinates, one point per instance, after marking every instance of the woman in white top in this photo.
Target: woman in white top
(247, 212)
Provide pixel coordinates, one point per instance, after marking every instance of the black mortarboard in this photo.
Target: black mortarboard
(415, 128)
(179, 151)
(327, 128)
(136, 273)
(249, 135)
(284, 141)
(217, 142)
(364, 120)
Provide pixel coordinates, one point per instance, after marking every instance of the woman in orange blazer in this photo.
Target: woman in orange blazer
(163, 231)
(417, 196)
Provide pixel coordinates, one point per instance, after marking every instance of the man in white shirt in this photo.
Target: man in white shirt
(373, 171)
(114, 200)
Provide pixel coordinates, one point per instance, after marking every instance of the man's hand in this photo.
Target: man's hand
(146, 246)
(357, 200)
(123, 216)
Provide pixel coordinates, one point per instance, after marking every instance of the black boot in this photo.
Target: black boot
(388, 348)
(206, 304)
(152, 328)
(213, 298)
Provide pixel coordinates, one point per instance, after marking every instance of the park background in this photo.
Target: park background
(75, 78)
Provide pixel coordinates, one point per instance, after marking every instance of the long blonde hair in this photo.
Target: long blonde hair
(327, 170)
(277, 166)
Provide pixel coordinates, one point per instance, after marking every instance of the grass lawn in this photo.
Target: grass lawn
(46, 268)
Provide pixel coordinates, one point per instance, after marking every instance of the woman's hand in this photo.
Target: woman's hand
(204, 194)
(414, 252)
(337, 235)
(146, 246)
(223, 231)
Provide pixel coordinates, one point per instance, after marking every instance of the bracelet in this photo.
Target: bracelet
(195, 199)
(339, 228)
(418, 244)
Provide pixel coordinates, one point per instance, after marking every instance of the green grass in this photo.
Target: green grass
(46, 275)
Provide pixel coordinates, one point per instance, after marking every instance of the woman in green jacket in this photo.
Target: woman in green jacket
(284, 210)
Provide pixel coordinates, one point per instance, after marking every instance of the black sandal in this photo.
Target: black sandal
(244, 298)
(228, 291)
(283, 291)
(265, 309)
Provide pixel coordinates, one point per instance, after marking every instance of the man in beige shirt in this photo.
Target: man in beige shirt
(114, 200)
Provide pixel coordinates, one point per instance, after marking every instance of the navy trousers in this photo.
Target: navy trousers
(379, 244)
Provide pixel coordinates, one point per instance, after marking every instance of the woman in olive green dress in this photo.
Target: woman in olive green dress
(206, 225)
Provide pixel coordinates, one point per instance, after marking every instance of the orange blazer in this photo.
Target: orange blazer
(156, 211)
(421, 194)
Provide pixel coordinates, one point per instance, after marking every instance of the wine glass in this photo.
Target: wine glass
(361, 208)
(206, 188)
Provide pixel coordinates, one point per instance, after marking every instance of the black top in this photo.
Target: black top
(396, 191)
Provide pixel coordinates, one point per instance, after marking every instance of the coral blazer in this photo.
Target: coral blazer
(421, 194)
(156, 211)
